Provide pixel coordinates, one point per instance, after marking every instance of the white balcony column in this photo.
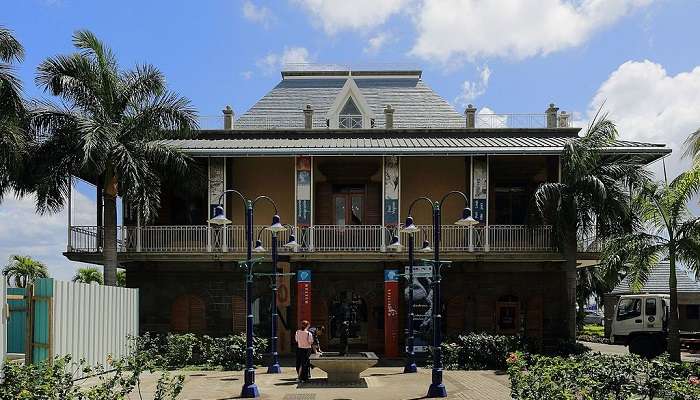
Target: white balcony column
(303, 197)
(391, 188)
(216, 186)
(488, 229)
(471, 196)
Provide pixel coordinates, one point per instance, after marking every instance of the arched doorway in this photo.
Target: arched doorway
(188, 314)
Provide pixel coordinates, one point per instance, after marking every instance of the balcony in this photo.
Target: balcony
(315, 239)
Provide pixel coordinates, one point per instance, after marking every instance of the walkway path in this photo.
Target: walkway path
(382, 383)
(622, 350)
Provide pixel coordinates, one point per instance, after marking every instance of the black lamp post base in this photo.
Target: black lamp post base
(250, 391)
(437, 390)
(274, 369)
(410, 368)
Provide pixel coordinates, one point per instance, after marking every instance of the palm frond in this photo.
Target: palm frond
(10, 48)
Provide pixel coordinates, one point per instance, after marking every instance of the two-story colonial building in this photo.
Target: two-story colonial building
(343, 153)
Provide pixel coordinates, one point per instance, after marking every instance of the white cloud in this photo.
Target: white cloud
(291, 55)
(258, 14)
(470, 29)
(473, 89)
(43, 237)
(247, 75)
(376, 42)
(339, 15)
(650, 105)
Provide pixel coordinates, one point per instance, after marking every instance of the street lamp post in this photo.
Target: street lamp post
(250, 389)
(437, 387)
(274, 367)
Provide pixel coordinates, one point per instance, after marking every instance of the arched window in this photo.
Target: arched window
(350, 116)
(188, 315)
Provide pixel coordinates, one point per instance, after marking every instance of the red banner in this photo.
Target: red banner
(391, 313)
(303, 295)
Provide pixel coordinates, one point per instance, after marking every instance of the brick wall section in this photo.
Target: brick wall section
(471, 293)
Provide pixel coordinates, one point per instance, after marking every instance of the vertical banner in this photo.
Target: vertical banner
(392, 183)
(283, 302)
(304, 295)
(422, 306)
(217, 181)
(481, 187)
(391, 313)
(303, 191)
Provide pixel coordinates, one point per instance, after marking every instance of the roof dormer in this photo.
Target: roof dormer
(350, 109)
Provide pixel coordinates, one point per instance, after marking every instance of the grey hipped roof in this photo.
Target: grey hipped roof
(415, 103)
(396, 142)
(657, 282)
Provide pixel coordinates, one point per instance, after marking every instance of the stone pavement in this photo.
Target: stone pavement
(380, 383)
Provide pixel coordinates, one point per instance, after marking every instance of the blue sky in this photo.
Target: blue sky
(641, 57)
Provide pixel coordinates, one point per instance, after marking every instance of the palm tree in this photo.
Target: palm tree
(88, 275)
(669, 231)
(24, 270)
(593, 281)
(592, 197)
(110, 130)
(14, 138)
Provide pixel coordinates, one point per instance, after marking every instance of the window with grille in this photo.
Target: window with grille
(350, 116)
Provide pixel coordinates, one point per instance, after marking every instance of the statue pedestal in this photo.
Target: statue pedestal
(344, 369)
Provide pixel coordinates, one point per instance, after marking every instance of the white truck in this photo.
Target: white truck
(641, 323)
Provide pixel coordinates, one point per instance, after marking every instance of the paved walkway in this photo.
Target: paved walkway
(381, 383)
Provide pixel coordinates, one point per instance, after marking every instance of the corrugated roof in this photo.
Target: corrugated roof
(428, 141)
(414, 102)
(657, 282)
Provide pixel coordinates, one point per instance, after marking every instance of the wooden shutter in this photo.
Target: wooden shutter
(323, 204)
(188, 315)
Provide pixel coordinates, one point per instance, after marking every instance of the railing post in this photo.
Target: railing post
(310, 231)
(138, 239)
(487, 234)
(382, 245)
(224, 238)
(208, 238)
(471, 239)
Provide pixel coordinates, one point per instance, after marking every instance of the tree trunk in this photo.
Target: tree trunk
(109, 252)
(569, 251)
(674, 342)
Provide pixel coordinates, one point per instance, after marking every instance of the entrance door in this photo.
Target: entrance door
(348, 208)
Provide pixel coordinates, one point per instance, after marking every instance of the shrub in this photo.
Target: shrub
(478, 351)
(601, 376)
(181, 350)
(229, 352)
(593, 339)
(54, 380)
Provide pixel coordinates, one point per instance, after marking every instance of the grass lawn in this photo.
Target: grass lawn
(593, 330)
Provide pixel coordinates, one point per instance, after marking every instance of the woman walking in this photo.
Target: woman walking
(305, 341)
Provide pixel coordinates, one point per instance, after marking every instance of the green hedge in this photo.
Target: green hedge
(596, 376)
(173, 351)
(479, 351)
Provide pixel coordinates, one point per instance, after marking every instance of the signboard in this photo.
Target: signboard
(422, 306)
(391, 313)
(480, 189)
(304, 295)
(303, 178)
(391, 190)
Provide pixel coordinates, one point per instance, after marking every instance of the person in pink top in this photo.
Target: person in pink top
(305, 341)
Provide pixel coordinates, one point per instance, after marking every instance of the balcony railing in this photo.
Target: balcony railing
(318, 238)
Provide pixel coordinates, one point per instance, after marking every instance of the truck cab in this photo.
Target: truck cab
(641, 323)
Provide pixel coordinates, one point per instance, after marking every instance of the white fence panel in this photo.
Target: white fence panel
(92, 321)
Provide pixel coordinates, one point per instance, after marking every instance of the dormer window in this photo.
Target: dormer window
(350, 116)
